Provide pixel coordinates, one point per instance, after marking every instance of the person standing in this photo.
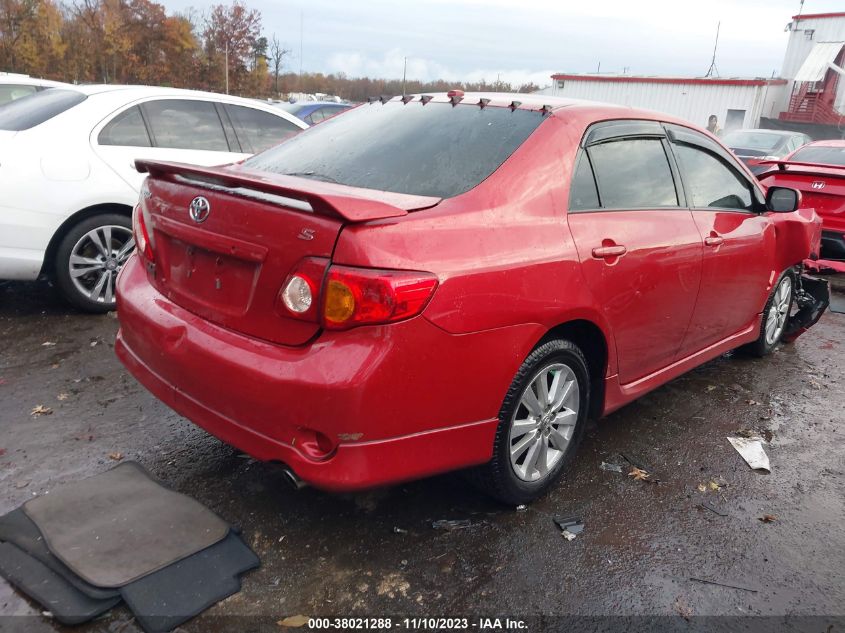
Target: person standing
(713, 125)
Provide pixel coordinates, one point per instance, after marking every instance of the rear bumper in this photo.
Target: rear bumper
(398, 402)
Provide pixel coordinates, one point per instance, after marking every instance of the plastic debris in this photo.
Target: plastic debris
(768, 518)
(613, 468)
(398, 530)
(570, 526)
(751, 450)
(521, 508)
(449, 525)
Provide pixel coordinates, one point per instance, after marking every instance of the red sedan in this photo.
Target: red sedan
(817, 170)
(433, 283)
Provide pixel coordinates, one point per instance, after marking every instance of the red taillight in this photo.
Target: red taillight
(142, 237)
(360, 296)
(344, 297)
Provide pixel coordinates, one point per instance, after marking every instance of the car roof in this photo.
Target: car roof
(557, 106)
(26, 80)
(135, 91)
(769, 132)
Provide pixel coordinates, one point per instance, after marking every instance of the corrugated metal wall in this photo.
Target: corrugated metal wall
(693, 102)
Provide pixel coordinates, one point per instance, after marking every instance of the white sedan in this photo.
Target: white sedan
(14, 86)
(68, 178)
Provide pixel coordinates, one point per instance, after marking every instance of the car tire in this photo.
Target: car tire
(88, 259)
(775, 316)
(533, 446)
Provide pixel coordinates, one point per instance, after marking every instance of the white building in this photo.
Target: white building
(813, 65)
(737, 103)
(810, 90)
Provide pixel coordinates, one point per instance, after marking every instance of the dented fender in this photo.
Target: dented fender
(798, 236)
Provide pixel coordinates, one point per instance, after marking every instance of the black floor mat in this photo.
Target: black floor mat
(67, 604)
(116, 527)
(19, 530)
(167, 598)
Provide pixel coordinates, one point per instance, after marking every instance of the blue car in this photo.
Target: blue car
(313, 112)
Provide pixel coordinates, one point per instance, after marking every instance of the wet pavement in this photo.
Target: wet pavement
(376, 553)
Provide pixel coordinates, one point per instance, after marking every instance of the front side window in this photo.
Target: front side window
(186, 124)
(709, 182)
(633, 173)
(126, 129)
(258, 130)
(435, 149)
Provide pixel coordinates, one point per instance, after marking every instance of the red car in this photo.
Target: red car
(818, 171)
(433, 283)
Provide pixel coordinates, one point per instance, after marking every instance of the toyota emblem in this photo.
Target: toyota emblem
(199, 209)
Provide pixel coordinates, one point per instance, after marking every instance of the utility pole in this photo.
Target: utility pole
(713, 71)
(404, 74)
(227, 66)
(301, 19)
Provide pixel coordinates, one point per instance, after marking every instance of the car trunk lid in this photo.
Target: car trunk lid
(822, 188)
(228, 263)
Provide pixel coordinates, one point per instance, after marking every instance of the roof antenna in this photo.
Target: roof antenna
(713, 71)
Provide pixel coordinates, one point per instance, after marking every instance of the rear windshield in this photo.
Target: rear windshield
(27, 112)
(432, 150)
(753, 140)
(820, 155)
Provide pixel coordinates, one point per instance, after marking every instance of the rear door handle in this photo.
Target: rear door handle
(713, 240)
(606, 252)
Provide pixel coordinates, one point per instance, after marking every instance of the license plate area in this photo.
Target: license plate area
(211, 280)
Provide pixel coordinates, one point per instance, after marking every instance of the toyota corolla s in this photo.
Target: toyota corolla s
(434, 283)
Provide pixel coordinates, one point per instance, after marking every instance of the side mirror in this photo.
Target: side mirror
(782, 199)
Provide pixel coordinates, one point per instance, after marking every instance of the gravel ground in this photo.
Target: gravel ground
(376, 553)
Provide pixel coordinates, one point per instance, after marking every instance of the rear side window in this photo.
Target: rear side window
(709, 182)
(632, 174)
(10, 92)
(27, 112)
(258, 130)
(432, 150)
(186, 124)
(583, 193)
(127, 128)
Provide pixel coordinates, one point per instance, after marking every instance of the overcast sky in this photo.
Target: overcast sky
(529, 40)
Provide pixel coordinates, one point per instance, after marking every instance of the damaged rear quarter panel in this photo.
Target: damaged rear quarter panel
(797, 237)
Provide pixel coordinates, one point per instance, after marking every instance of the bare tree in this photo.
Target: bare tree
(276, 58)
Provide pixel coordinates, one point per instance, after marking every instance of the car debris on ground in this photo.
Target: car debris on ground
(570, 526)
(613, 468)
(751, 450)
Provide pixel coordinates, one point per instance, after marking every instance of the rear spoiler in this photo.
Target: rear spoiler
(349, 203)
(808, 169)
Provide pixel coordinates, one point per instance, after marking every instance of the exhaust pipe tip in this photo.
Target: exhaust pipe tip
(293, 479)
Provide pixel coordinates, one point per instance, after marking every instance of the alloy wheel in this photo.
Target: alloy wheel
(778, 312)
(544, 422)
(96, 258)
